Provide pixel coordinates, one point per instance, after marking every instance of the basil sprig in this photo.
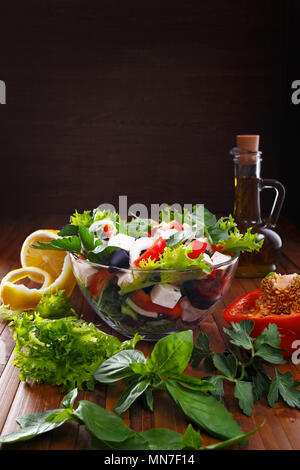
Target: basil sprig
(164, 370)
(108, 431)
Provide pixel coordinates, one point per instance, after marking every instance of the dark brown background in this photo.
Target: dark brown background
(143, 98)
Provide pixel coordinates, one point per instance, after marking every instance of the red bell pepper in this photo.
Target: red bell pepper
(143, 300)
(153, 252)
(288, 325)
(198, 247)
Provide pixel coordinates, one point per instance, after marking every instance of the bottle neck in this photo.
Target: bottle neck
(247, 169)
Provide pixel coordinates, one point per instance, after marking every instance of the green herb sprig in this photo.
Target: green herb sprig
(164, 370)
(109, 432)
(249, 377)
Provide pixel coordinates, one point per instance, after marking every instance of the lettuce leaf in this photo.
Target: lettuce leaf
(62, 352)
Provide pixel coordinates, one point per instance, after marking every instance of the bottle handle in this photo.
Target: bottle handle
(279, 189)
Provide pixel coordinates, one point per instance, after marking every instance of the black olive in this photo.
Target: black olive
(119, 259)
(202, 294)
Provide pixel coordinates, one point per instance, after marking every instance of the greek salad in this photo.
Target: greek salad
(152, 276)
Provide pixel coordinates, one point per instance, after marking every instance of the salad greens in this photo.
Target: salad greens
(250, 380)
(78, 239)
(54, 346)
(163, 370)
(109, 432)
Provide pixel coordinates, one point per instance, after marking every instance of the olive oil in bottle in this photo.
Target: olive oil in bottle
(248, 185)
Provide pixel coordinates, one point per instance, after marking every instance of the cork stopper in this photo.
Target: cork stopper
(248, 142)
(248, 146)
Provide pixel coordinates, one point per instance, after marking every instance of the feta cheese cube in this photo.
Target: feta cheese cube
(218, 258)
(207, 258)
(122, 241)
(165, 295)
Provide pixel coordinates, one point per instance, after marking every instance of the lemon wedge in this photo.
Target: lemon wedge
(19, 296)
(49, 268)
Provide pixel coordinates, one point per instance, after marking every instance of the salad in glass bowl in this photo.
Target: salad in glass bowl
(152, 277)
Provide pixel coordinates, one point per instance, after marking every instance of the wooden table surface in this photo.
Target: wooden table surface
(282, 428)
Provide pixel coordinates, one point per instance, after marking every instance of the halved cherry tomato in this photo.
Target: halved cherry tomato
(198, 247)
(108, 229)
(288, 325)
(143, 300)
(98, 283)
(176, 225)
(153, 252)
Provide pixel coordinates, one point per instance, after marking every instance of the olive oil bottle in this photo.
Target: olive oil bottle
(248, 185)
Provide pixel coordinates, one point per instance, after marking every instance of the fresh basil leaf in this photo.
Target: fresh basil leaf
(59, 415)
(204, 410)
(117, 367)
(68, 230)
(235, 440)
(135, 442)
(68, 400)
(129, 396)
(192, 439)
(172, 353)
(192, 382)
(226, 363)
(148, 399)
(163, 439)
(139, 368)
(101, 423)
(243, 391)
(179, 237)
(240, 333)
(31, 426)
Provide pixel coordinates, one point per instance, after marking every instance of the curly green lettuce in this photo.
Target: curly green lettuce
(62, 352)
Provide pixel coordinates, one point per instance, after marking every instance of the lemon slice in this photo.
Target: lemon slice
(19, 296)
(48, 260)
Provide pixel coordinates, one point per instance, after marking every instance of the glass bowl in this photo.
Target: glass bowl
(122, 297)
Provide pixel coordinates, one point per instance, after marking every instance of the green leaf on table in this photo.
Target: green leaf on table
(226, 363)
(202, 351)
(171, 354)
(102, 424)
(204, 410)
(270, 336)
(69, 399)
(285, 386)
(270, 354)
(217, 382)
(240, 333)
(135, 442)
(243, 391)
(129, 395)
(233, 441)
(148, 399)
(163, 439)
(192, 439)
(192, 382)
(32, 425)
(117, 367)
